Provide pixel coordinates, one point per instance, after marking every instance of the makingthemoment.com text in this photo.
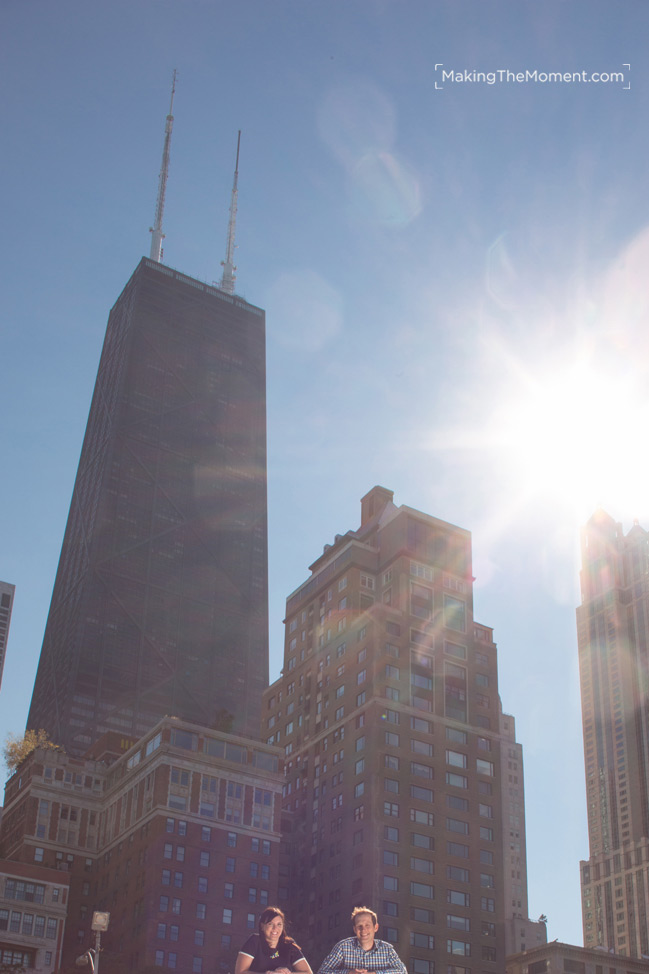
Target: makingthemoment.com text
(501, 75)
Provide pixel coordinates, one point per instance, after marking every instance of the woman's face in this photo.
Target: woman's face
(272, 930)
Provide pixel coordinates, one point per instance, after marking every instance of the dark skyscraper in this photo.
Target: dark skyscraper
(160, 603)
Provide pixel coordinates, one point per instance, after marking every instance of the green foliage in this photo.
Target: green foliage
(16, 749)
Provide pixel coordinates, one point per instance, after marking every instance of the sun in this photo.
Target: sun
(571, 435)
(574, 433)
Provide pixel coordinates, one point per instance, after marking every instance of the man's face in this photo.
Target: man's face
(365, 928)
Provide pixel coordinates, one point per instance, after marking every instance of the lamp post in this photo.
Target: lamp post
(91, 956)
(99, 924)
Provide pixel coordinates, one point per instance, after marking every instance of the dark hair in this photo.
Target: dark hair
(269, 914)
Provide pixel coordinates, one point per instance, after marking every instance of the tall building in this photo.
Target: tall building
(388, 712)
(6, 604)
(160, 601)
(521, 933)
(613, 639)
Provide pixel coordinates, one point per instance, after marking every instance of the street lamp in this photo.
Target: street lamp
(91, 956)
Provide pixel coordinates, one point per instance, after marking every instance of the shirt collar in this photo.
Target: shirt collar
(360, 946)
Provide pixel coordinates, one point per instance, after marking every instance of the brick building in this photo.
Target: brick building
(33, 909)
(177, 838)
(389, 716)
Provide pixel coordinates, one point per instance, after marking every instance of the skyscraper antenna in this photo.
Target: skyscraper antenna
(156, 229)
(228, 277)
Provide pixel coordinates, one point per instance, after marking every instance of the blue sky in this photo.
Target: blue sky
(454, 279)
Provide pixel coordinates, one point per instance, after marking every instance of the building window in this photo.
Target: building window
(422, 841)
(227, 916)
(422, 794)
(457, 780)
(456, 825)
(421, 817)
(457, 898)
(420, 966)
(422, 889)
(458, 947)
(457, 873)
(421, 865)
(454, 614)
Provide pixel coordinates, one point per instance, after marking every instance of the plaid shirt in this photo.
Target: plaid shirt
(348, 955)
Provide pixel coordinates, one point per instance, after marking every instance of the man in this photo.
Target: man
(363, 954)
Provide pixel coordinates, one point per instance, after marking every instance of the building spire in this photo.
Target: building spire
(156, 229)
(228, 277)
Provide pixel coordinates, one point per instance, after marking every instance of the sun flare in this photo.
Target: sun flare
(573, 436)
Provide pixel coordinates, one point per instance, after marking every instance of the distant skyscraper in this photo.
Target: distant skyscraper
(521, 933)
(613, 638)
(6, 604)
(396, 788)
(160, 602)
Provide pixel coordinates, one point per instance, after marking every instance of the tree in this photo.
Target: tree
(16, 749)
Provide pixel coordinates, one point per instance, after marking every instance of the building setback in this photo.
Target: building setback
(176, 836)
(388, 713)
(160, 602)
(613, 639)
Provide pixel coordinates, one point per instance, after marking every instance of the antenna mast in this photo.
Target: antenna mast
(156, 229)
(228, 277)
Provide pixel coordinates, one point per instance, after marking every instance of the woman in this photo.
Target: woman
(271, 949)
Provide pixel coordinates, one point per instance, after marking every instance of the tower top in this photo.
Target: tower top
(229, 277)
(156, 229)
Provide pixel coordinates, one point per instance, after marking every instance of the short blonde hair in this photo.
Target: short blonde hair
(364, 909)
